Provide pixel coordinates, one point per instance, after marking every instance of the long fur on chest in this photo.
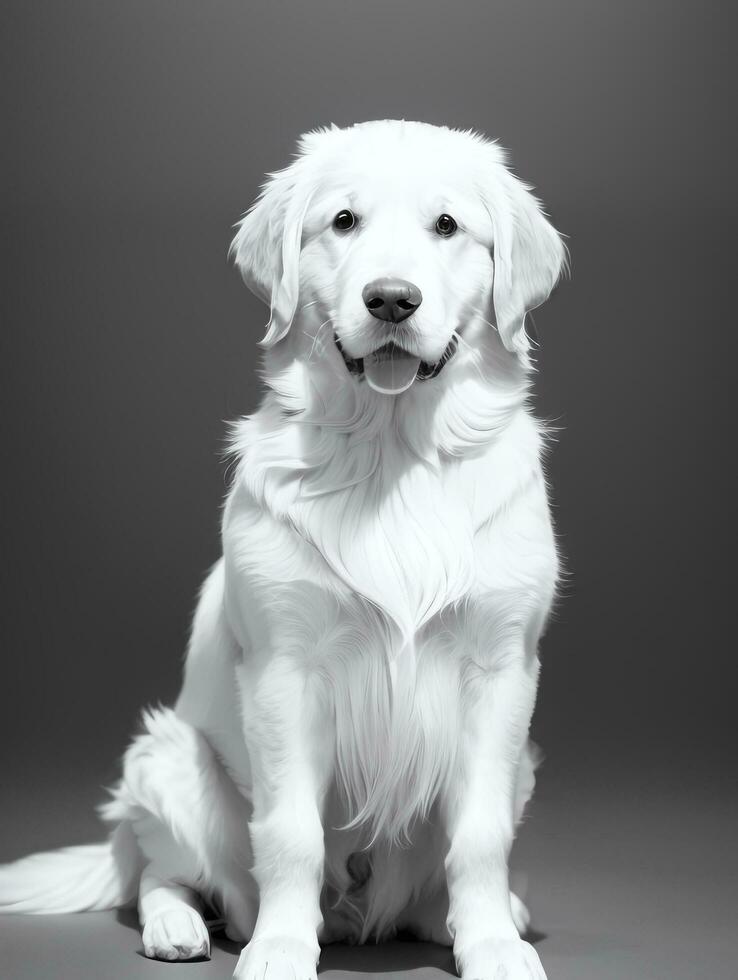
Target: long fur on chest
(378, 519)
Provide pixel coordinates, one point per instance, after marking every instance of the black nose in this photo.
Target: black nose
(391, 299)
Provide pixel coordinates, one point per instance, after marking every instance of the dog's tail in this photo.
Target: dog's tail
(88, 878)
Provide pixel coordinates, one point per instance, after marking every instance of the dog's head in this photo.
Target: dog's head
(393, 236)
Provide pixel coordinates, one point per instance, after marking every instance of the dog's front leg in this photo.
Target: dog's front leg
(498, 694)
(290, 747)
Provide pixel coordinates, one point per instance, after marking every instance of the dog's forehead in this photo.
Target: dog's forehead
(392, 156)
(370, 189)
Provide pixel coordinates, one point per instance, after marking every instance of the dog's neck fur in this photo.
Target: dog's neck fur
(342, 430)
(368, 478)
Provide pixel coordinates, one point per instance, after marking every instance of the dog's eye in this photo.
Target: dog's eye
(344, 220)
(446, 226)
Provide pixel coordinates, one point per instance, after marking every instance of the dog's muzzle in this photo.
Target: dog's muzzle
(426, 371)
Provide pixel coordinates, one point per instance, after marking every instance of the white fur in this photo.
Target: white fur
(349, 753)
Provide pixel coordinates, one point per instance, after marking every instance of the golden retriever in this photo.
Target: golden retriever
(349, 753)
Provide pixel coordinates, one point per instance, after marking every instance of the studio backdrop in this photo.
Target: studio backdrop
(136, 134)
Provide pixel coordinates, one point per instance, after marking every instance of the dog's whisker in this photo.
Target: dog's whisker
(474, 356)
(316, 336)
(482, 317)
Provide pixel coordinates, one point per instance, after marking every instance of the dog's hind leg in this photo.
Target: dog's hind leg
(170, 904)
(173, 927)
(190, 823)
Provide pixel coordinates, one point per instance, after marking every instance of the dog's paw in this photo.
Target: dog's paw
(277, 958)
(502, 959)
(176, 933)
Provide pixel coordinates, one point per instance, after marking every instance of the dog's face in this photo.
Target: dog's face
(392, 237)
(396, 257)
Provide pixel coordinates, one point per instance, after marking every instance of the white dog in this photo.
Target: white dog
(349, 752)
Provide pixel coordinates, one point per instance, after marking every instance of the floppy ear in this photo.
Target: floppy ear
(267, 248)
(529, 258)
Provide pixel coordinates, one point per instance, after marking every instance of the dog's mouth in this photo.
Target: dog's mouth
(390, 369)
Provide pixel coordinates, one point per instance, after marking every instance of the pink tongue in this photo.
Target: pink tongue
(390, 372)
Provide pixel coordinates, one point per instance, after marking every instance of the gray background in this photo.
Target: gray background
(135, 134)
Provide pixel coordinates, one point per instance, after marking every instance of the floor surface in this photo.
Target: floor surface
(638, 882)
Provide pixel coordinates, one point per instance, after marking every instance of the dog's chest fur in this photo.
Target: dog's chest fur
(378, 521)
(381, 584)
(401, 539)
